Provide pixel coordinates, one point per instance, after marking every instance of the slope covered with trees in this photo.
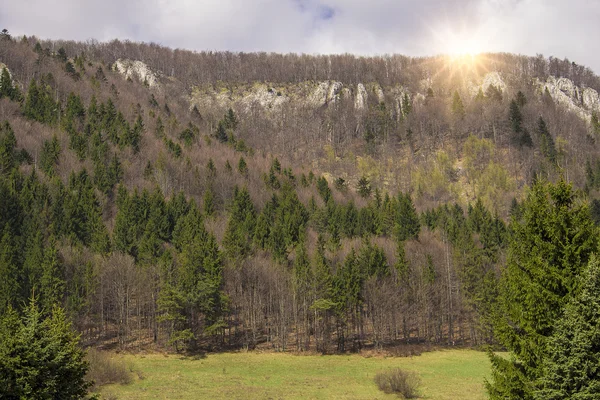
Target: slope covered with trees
(158, 220)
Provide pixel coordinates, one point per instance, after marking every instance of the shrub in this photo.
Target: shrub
(400, 382)
(103, 370)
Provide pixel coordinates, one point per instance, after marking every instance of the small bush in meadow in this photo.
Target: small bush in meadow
(402, 383)
(104, 370)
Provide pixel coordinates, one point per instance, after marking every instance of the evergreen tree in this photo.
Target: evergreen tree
(6, 85)
(406, 221)
(8, 143)
(549, 247)
(458, 109)
(407, 105)
(364, 187)
(9, 271)
(209, 202)
(493, 93)
(40, 358)
(521, 99)
(515, 117)
(242, 167)
(571, 366)
(594, 122)
(546, 141)
(49, 156)
(323, 189)
(221, 132)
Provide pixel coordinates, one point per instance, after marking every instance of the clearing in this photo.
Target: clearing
(445, 374)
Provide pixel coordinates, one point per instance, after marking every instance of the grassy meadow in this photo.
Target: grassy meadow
(446, 374)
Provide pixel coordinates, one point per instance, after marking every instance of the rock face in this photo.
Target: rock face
(361, 97)
(491, 78)
(2, 66)
(564, 92)
(264, 97)
(136, 70)
(326, 92)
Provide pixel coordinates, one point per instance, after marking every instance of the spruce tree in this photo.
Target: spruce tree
(571, 369)
(550, 245)
(363, 187)
(458, 109)
(40, 358)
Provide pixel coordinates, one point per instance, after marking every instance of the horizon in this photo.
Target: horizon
(327, 27)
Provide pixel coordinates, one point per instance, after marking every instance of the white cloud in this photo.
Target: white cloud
(552, 27)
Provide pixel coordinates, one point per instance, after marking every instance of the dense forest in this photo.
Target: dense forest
(156, 222)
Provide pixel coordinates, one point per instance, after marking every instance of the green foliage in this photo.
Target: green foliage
(406, 220)
(570, 369)
(8, 143)
(458, 109)
(323, 189)
(209, 202)
(39, 104)
(521, 99)
(221, 133)
(363, 187)
(407, 105)
(549, 247)
(493, 93)
(7, 86)
(516, 118)
(242, 167)
(188, 135)
(49, 156)
(40, 358)
(547, 146)
(594, 122)
(241, 225)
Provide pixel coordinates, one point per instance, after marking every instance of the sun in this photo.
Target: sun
(459, 43)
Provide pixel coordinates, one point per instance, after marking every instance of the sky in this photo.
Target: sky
(559, 28)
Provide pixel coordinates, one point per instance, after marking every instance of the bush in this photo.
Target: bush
(400, 382)
(103, 370)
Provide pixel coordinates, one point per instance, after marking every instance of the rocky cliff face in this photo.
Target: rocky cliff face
(490, 79)
(137, 70)
(581, 101)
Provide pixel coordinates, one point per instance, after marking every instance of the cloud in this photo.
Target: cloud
(425, 27)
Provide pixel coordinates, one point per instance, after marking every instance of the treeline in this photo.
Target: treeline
(196, 68)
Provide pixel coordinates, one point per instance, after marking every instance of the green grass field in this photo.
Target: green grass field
(447, 374)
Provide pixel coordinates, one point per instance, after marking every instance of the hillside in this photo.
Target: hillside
(189, 200)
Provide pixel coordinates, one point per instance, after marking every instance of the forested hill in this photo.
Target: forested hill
(208, 200)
